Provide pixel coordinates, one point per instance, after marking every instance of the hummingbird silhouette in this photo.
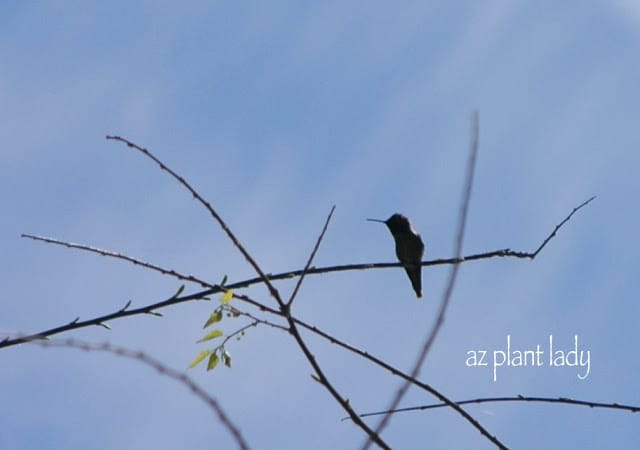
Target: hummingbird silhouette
(409, 248)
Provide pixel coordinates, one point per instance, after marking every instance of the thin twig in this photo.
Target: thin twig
(462, 221)
(519, 398)
(239, 331)
(117, 255)
(238, 312)
(209, 208)
(311, 256)
(553, 233)
(163, 370)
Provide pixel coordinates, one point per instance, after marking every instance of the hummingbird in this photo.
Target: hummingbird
(409, 248)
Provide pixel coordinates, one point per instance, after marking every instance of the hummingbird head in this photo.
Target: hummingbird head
(396, 223)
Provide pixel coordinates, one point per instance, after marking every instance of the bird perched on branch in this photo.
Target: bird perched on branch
(409, 248)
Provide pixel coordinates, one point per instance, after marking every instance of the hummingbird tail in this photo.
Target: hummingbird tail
(415, 276)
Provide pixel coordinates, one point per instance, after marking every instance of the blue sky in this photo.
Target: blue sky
(275, 112)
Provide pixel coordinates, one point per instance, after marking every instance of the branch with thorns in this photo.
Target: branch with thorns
(517, 398)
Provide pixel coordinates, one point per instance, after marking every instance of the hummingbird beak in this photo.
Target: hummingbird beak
(377, 220)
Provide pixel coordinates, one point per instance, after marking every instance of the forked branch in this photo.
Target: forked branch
(285, 307)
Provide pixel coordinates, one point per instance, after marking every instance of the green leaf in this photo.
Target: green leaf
(210, 335)
(198, 359)
(224, 280)
(215, 317)
(227, 296)
(213, 361)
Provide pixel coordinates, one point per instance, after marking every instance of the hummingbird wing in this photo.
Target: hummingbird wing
(409, 250)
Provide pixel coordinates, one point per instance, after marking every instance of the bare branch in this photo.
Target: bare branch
(207, 205)
(377, 361)
(237, 312)
(213, 289)
(163, 370)
(322, 379)
(116, 255)
(311, 256)
(519, 398)
(553, 233)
